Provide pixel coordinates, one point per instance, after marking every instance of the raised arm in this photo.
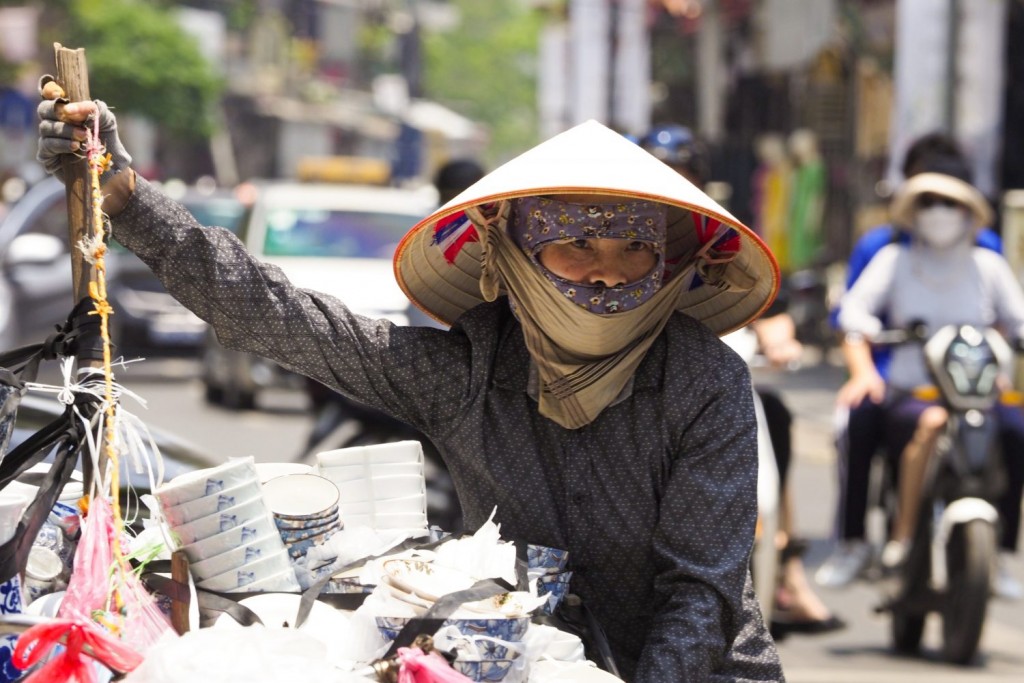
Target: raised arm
(418, 375)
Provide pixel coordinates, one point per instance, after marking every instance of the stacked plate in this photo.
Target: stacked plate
(380, 486)
(493, 629)
(218, 517)
(305, 510)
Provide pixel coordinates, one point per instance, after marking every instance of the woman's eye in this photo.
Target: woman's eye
(580, 244)
(638, 245)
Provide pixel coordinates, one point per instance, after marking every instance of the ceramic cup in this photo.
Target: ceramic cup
(205, 482)
(235, 580)
(218, 522)
(300, 496)
(229, 540)
(42, 573)
(298, 549)
(556, 587)
(546, 560)
(295, 535)
(12, 505)
(331, 516)
(484, 669)
(252, 551)
(204, 506)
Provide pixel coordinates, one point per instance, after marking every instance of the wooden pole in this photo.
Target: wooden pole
(73, 77)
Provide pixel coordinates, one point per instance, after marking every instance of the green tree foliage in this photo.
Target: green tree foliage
(486, 67)
(141, 60)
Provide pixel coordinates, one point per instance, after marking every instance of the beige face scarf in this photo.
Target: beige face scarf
(584, 359)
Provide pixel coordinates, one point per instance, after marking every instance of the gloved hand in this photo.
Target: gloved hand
(62, 130)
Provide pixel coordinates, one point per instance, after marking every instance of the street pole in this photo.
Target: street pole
(953, 49)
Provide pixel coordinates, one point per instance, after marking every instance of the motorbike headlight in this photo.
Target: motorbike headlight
(973, 368)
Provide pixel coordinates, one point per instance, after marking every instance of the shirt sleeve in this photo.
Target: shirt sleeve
(861, 308)
(863, 251)
(709, 626)
(416, 374)
(1006, 291)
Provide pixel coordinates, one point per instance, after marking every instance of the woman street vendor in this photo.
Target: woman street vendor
(581, 388)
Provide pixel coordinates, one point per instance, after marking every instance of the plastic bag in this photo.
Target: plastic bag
(96, 580)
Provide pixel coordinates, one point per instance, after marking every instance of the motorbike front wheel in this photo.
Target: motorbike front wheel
(969, 559)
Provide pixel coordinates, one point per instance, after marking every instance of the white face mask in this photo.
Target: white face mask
(942, 226)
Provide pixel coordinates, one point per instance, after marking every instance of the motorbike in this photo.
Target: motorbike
(949, 563)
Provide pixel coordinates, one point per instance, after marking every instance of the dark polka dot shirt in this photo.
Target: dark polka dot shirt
(655, 500)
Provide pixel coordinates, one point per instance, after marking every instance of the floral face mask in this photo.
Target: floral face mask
(535, 222)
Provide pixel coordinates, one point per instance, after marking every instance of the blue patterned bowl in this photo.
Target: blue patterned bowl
(503, 629)
(485, 669)
(293, 523)
(294, 535)
(556, 587)
(551, 560)
(298, 549)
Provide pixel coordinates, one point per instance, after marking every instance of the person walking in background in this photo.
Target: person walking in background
(797, 608)
(770, 205)
(807, 201)
(454, 176)
(860, 435)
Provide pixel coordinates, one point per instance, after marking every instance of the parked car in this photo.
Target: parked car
(35, 265)
(35, 276)
(336, 239)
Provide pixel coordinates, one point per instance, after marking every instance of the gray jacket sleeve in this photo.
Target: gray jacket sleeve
(709, 626)
(419, 375)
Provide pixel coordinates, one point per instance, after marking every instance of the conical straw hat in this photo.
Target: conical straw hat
(904, 203)
(437, 264)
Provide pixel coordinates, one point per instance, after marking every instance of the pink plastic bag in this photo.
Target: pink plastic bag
(90, 595)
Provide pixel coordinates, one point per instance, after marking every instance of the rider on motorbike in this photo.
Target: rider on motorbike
(939, 278)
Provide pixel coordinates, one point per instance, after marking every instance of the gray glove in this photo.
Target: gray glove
(56, 138)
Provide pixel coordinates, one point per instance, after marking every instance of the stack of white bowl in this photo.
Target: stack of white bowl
(381, 486)
(305, 510)
(218, 517)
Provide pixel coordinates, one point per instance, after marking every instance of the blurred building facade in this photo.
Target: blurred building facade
(859, 77)
(300, 84)
(336, 79)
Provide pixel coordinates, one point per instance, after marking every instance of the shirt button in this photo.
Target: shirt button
(579, 499)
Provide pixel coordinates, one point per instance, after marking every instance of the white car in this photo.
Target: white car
(336, 239)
